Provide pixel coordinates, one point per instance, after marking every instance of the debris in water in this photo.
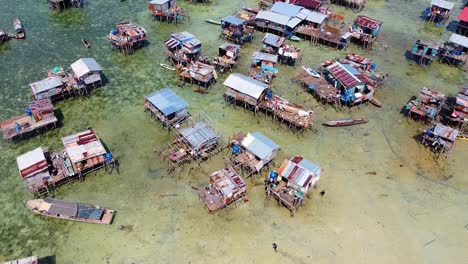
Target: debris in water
(371, 173)
(429, 242)
(170, 194)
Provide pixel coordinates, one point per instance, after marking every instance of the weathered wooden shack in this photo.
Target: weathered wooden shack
(196, 141)
(255, 96)
(236, 30)
(365, 30)
(127, 37)
(200, 74)
(253, 151)
(228, 56)
(440, 139)
(462, 27)
(439, 11)
(424, 52)
(426, 106)
(455, 51)
(167, 107)
(167, 10)
(263, 67)
(272, 43)
(226, 187)
(39, 117)
(293, 180)
(83, 154)
(87, 72)
(52, 88)
(182, 48)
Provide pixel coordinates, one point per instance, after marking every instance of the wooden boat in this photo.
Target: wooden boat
(250, 9)
(215, 22)
(311, 71)
(169, 67)
(71, 211)
(336, 16)
(376, 102)
(19, 29)
(345, 122)
(86, 43)
(462, 137)
(199, 90)
(294, 38)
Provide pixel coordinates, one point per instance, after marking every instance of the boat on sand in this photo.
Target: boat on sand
(71, 211)
(346, 122)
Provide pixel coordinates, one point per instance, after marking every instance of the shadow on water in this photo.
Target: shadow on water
(47, 260)
(452, 26)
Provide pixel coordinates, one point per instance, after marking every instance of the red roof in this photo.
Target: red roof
(368, 22)
(310, 4)
(463, 15)
(345, 76)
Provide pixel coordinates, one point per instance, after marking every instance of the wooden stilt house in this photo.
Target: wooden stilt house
(455, 51)
(166, 10)
(226, 187)
(167, 107)
(236, 30)
(439, 139)
(182, 48)
(127, 36)
(424, 52)
(293, 180)
(263, 67)
(439, 11)
(365, 30)
(426, 106)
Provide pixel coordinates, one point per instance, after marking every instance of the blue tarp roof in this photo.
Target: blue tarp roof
(167, 101)
(259, 145)
(286, 9)
(233, 20)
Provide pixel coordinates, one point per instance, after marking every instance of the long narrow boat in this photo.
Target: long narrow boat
(165, 66)
(71, 211)
(376, 102)
(19, 29)
(211, 21)
(250, 9)
(345, 122)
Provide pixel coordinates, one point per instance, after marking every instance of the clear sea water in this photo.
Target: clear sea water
(412, 211)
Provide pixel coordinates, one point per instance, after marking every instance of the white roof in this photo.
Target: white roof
(30, 158)
(273, 17)
(46, 84)
(316, 17)
(245, 85)
(158, 2)
(443, 4)
(294, 22)
(84, 66)
(459, 40)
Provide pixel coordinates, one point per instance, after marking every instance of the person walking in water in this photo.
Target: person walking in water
(275, 247)
(322, 193)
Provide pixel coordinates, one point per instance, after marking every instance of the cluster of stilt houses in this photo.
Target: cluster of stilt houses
(348, 81)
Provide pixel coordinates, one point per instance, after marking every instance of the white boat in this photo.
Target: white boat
(311, 72)
(169, 67)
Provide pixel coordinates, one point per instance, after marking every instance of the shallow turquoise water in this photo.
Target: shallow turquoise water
(387, 218)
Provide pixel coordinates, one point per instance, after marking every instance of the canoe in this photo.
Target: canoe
(86, 43)
(199, 90)
(310, 71)
(345, 122)
(73, 211)
(294, 38)
(251, 10)
(19, 29)
(215, 22)
(376, 102)
(167, 67)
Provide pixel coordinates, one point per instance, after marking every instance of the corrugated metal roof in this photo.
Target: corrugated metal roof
(259, 145)
(264, 56)
(273, 40)
(459, 40)
(445, 132)
(286, 9)
(46, 84)
(443, 4)
(83, 146)
(300, 171)
(182, 36)
(368, 22)
(294, 22)
(273, 17)
(158, 2)
(230, 47)
(167, 101)
(316, 17)
(233, 20)
(84, 66)
(31, 162)
(463, 15)
(198, 134)
(347, 78)
(245, 85)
